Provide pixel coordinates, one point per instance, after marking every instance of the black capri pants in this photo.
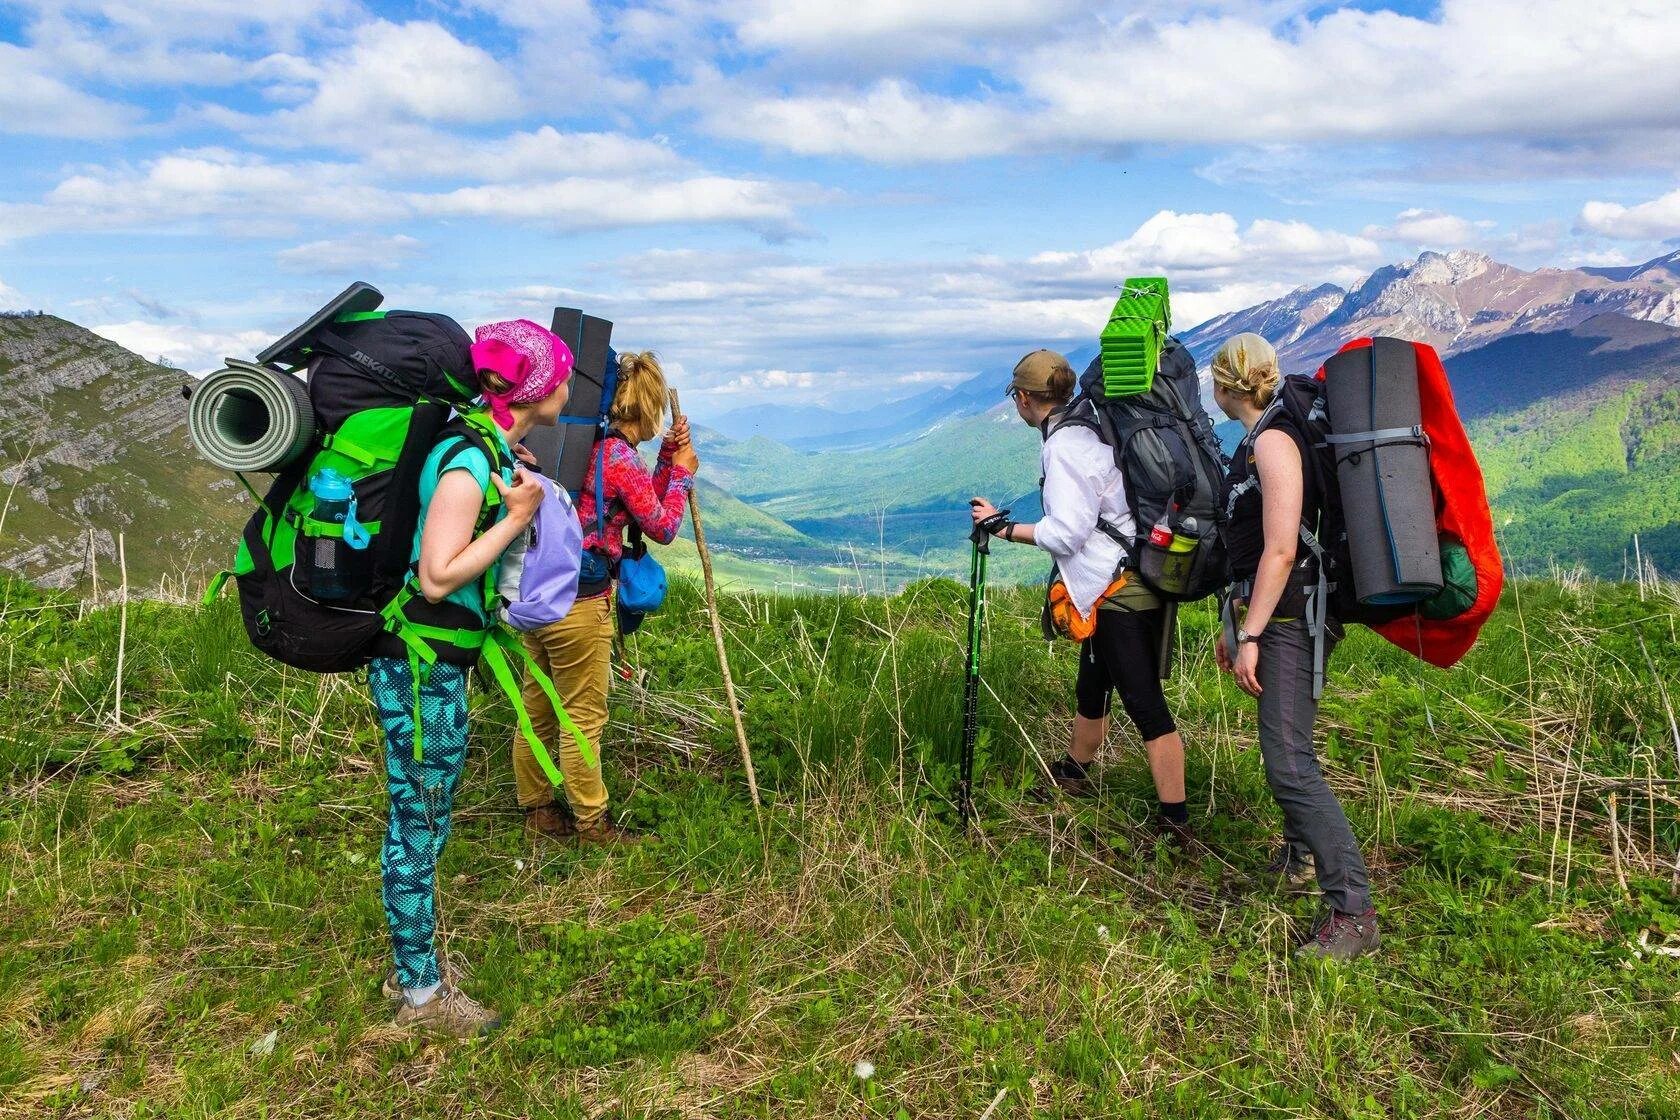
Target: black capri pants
(1122, 656)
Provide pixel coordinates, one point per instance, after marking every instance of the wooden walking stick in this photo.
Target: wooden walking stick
(717, 625)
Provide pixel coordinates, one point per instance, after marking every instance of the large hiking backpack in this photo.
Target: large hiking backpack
(1438, 627)
(382, 386)
(1174, 469)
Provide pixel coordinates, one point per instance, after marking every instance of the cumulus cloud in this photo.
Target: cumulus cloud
(239, 194)
(1202, 250)
(1430, 228)
(1346, 75)
(735, 319)
(403, 72)
(1655, 220)
(890, 122)
(33, 101)
(353, 254)
(184, 347)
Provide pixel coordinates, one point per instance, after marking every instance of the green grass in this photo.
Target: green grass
(179, 883)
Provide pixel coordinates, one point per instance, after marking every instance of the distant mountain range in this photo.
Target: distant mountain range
(1569, 380)
(1453, 301)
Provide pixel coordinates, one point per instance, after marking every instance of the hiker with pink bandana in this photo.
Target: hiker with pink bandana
(474, 502)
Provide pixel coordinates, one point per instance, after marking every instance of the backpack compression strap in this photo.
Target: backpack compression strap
(495, 643)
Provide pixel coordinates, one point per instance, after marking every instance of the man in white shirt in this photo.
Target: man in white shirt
(1088, 529)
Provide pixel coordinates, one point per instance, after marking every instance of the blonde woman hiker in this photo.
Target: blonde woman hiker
(1266, 644)
(473, 504)
(576, 652)
(1086, 516)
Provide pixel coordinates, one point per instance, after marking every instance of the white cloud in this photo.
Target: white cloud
(1198, 250)
(543, 153)
(1657, 219)
(188, 348)
(1432, 229)
(575, 202)
(736, 319)
(890, 122)
(236, 194)
(214, 189)
(169, 42)
(356, 253)
(10, 298)
(403, 72)
(898, 26)
(35, 102)
(1347, 75)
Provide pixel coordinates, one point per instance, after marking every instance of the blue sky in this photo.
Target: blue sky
(805, 200)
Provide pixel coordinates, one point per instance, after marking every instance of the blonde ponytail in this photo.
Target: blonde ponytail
(1247, 365)
(638, 408)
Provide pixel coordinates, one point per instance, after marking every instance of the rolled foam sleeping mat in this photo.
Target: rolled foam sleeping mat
(1382, 468)
(251, 417)
(563, 451)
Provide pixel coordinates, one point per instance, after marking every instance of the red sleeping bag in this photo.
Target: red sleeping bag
(1461, 511)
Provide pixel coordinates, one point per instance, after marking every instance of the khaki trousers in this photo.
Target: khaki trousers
(576, 653)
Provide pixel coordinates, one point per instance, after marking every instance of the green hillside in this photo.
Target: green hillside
(92, 440)
(1574, 480)
(189, 883)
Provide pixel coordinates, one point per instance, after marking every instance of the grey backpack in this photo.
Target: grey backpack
(1174, 469)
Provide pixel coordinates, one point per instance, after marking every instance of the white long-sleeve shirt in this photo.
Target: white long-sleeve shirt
(1081, 484)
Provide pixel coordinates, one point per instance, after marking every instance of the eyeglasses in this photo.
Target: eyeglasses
(1011, 390)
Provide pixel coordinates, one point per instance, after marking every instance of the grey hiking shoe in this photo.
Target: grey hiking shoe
(1290, 873)
(392, 989)
(1342, 937)
(450, 1012)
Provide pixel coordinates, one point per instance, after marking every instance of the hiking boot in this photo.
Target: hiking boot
(553, 821)
(1290, 874)
(604, 832)
(450, 1012)
(1181, 833)
(392, 990)
(1065, 775)
(1342, 937)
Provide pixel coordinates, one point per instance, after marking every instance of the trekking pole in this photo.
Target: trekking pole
(717, 625)
(982, 541)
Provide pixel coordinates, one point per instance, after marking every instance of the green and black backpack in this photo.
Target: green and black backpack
(385, 388)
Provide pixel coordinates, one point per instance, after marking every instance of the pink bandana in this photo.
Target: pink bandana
(531, 359)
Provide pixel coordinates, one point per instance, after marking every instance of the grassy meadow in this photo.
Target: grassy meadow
(190, 922)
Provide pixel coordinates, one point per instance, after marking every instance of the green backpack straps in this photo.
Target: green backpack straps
(406, 617)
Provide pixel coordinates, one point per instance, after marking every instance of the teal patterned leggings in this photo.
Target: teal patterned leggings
(422, 794)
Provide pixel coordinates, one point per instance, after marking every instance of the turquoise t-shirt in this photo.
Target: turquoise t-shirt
(476, 463)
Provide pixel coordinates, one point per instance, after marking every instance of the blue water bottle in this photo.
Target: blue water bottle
(335, 504)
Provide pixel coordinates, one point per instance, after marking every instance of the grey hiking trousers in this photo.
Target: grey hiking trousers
(1313, 820)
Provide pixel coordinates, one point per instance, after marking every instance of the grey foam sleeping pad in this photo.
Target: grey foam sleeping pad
(1388, 498)
(563, 450)
(250, 417)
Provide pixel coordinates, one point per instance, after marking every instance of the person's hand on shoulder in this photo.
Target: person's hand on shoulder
(522, 497)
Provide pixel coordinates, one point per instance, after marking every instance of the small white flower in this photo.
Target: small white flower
(519, 865)
(864, 1070)
(297, 851)
(1102, 932)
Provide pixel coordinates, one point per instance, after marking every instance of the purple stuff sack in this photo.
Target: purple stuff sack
(538, 580)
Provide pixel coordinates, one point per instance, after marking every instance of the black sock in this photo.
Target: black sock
(1175, 811)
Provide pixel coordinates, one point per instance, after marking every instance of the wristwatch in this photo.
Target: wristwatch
(1244, 637)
